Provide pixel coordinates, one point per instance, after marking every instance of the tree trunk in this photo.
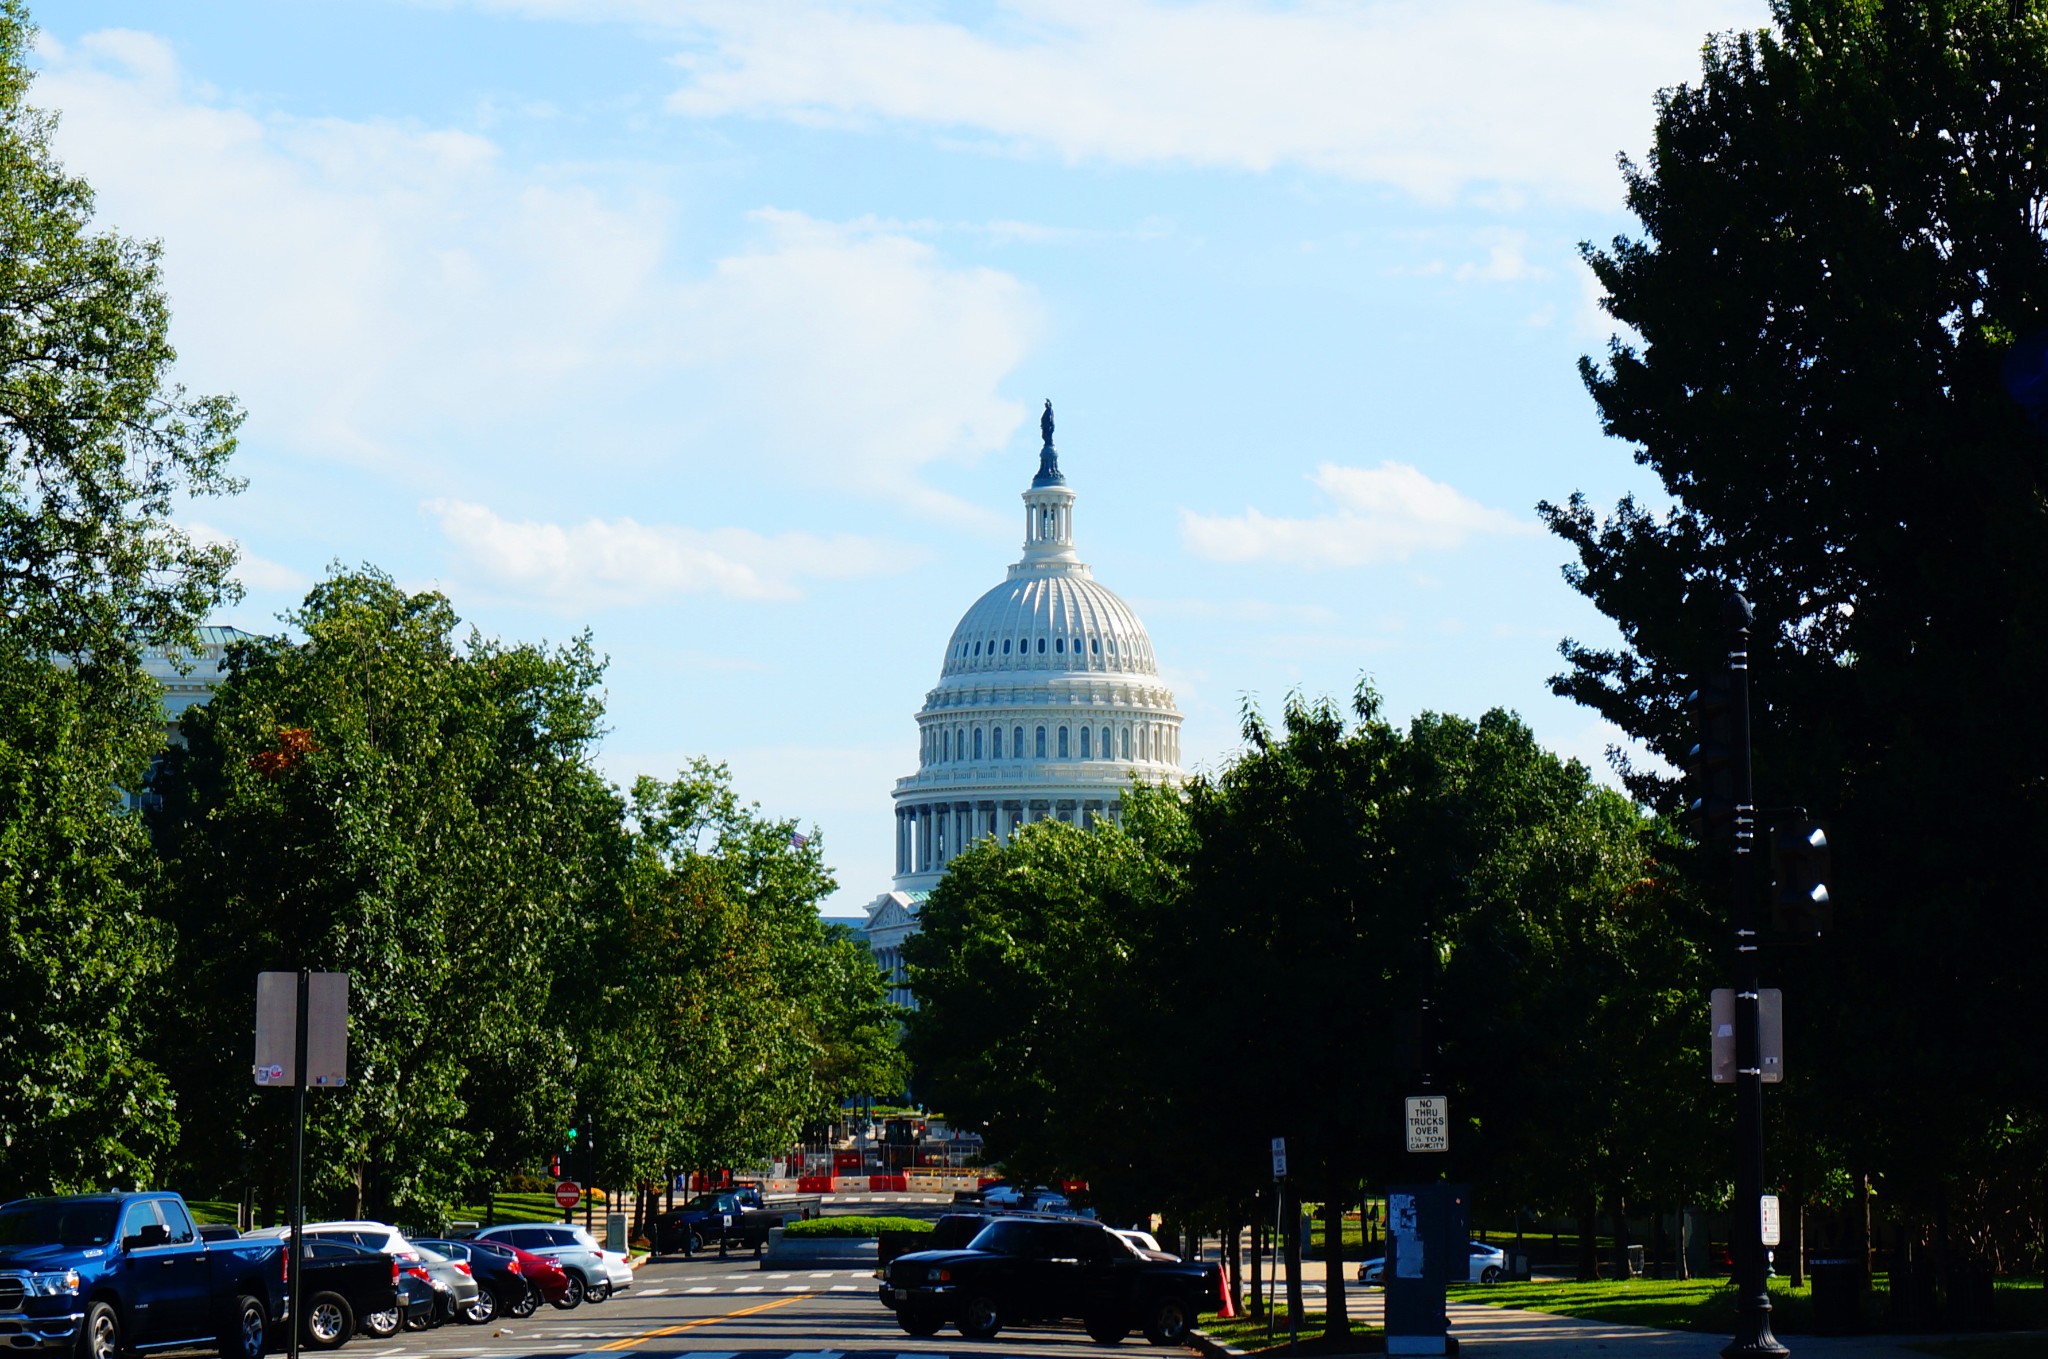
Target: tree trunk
(1336, 1314)
(1863, 1242)
(1290, 1229)
(1233, 1257)
(1618, 1203)
(1589, 1246)
(1258, 1303)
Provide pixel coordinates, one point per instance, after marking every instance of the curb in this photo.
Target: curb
(1201, 1342)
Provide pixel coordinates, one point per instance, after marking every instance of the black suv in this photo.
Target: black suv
(1021, 1270)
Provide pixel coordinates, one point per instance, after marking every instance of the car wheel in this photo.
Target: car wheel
(247, 1330)
(600, 1291)
(981, 1316)
(483, 1309)
(423, 1321)
(100, 1336)
(525, 1305)
(693, 1243)
(917, 1323)
(1168, 1321)
(572, 1296)
(381, 1325)
(1106, 1330)
(1491, 1274)
(330, 1321)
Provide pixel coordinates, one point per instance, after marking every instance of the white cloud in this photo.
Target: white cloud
(605, 562)
(1503, 99)
(1385, 513)
(406, 298)
(254, 572)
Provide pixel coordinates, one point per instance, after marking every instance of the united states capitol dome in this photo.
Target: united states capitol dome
(1048, 702)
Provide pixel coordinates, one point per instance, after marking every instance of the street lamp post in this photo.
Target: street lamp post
(1752, 1294)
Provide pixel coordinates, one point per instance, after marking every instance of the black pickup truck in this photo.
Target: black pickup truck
(1021, 1270)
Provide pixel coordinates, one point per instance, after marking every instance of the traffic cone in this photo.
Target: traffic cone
(1229, 1312)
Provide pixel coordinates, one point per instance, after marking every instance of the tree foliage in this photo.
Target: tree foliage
(1844, 244)
(98, 447)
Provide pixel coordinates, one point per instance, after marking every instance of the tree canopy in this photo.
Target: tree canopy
(1839, 284)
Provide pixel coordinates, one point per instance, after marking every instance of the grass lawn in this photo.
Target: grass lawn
(1248, 1333)
(1670, 1304)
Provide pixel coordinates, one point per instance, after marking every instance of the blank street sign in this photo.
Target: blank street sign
(1770, 1034)
(277, 1017)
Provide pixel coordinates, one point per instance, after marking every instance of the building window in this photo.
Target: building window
(1084, 743)
(1095, 645)
(1041, 646)
(1059, 644)
(945, 746)
(1017, 743)
(977, 648)
(1063, 743)
(1006, 646)
(977, 743)
(1041, 743)
(996, 737)
(1127, 743)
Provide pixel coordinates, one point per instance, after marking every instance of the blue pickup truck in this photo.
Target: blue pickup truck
(101, 1275)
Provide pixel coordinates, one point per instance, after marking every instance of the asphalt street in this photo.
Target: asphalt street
(722, 1309)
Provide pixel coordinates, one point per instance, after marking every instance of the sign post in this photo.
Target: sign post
(1428, 1122)
(1279, 1209)
(301, 1018)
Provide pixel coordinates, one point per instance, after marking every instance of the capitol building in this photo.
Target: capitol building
(1048, 703)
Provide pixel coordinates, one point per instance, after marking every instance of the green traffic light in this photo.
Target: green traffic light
(572, 1134)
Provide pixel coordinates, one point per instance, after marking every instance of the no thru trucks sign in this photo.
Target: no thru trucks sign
(1429, 1123)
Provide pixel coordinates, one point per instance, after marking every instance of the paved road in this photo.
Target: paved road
(712, 1309)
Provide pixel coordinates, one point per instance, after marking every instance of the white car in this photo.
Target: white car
(599, 1272)
(375, 1235)
(1485, 1264)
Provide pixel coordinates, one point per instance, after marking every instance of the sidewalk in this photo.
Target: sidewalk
(1483, 1330)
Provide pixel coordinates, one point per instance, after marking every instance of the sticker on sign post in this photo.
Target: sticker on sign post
(1772, 1224)
(1279, 1158)
(1429, 1123)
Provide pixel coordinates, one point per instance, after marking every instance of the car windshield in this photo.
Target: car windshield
(703, 1203)
(57, 1222)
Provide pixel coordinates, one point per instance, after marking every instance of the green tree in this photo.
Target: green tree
(97, 448)
(385, 800)
(1844, 236)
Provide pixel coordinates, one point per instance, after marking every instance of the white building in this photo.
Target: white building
(1048, 702)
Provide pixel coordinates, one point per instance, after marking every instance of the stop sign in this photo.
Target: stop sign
(568, 1194)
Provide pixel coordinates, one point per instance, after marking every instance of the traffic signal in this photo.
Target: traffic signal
(555, 1167)
(572, 1137)
(1799, 880)
(1710, 764)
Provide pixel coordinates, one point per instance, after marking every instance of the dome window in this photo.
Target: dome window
(1059, 644)
(996, 743)
(1017, 743)
(1108, 746)
(1063, 743)
(977, 743)
(1084, 743)
(1041, 731)
(977, 648)
(945, 747)
(1095, 645)
(1006, 646)
(1041, 646)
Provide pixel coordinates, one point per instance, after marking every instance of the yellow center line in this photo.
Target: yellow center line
(633, 1340)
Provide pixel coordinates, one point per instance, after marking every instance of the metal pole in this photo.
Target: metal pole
(1752, 1294)
(296, 1245)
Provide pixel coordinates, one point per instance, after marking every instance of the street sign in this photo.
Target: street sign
(1770, 1034)
(1429, 1123)
(1279, 1158)
(1773, 1224)
(568, 1194)
(277, 1017)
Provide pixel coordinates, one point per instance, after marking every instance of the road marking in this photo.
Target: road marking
(748, 1288)
(782, 1276)
(822, 1274)
(797, 1288)
(706, 1289)
(846, 1288)
(632, 1340)
(649, 1292)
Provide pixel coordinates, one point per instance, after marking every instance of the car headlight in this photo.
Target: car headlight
(937, 1275)
(53, 1285)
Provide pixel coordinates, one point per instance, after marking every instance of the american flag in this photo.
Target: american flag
(797, 841)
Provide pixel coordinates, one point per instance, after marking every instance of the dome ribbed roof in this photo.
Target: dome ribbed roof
(1058, 621)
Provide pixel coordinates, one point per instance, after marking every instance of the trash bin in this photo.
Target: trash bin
(1635, 1262)
(1837, 1296)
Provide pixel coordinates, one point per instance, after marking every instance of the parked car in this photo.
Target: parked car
(547, 1281)
(1022, 1270)
(1485, 1264)
(595, 1273)
(455, 1287)
(342, 1283)
(500, 1284)
(732, 1217)
(102, 1275)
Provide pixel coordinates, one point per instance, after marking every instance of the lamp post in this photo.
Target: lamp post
(1752, 1294)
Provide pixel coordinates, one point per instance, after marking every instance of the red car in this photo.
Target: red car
(547, 1281)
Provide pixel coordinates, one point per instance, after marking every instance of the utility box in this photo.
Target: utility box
(1426, 1229)
(615, 1232)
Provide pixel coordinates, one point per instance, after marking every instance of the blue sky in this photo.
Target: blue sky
(721, 328)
